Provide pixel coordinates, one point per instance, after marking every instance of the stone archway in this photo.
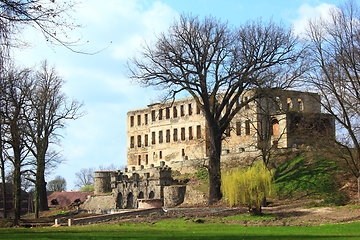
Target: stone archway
(141, 195)
(119, 201)
(130, 201)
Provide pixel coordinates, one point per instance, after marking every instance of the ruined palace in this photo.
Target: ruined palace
(173, 136)
(176, 132)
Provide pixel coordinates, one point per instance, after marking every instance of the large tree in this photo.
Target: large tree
(16, 85)
(48, 111)
(334, 45)
(216, 64)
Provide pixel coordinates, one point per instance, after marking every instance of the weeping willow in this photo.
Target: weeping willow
(248, 186)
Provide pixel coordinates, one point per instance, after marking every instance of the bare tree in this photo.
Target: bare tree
(48, 111)
(216, 64)
(13, 94)
(335, 57)
(51, 18)
(58, 184)
(84, 177)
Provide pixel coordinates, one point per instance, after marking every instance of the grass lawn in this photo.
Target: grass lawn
(182, 229)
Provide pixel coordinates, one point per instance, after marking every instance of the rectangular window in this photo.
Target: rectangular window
(190, 133)
(146, 119)
(131, 121)
(182, 110)
(182, 134)
(175, 135)
(160, 136)
(153, 139)
(174, 112)
(247, 106)
(168, 135)
(238, 128)
(167, 113)
(183, 152)
(139, 160)
(247, 127)
(153, 115)
(132, 142)
(146, 140)
(160, 114)
(198, 131)
(139, 140)
(138, 120)
(160, 154)
(146, 159)
(190, 109)
(227, 131)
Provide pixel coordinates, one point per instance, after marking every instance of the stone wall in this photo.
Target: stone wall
(174, 195)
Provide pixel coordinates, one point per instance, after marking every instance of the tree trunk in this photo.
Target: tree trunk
(17, 192)
(4, 186)
(214, 164)
(358, 183)
(40, 187)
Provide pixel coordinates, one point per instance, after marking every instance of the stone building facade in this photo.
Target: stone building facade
(173, 136)
(125, 190)
(176, 132)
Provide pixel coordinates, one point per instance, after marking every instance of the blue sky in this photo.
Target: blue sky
(119, 27)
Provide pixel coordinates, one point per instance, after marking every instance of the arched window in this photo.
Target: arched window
(130, 201)
(152, 194)
(274, 129)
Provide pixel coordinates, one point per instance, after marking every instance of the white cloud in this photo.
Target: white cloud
(307, 13)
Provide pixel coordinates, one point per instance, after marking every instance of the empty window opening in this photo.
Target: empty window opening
(139, 140)
(141, 195)
(289, 103)
(151, 194)
(227, 131)
(160, 136)
(274, 129)
(139, 160)
(247, 127)
(130, 201)
(247, 106)
(168, 135)
(198, 131)
(190, 109)
(131, 121)
(132, 142)
(138, 120)
(198, 109)
(182, 110)
(146, 159)
(160, 114)
(175, 135)
(190, 133)
(238, 128)
(300, 105)
(153, 115)
(279, 103)
(146, 140)
(183, 152)
(146, 119)
(160, 154)
(182, 134)
(167, 113)
(153, 139)
(174, 112)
